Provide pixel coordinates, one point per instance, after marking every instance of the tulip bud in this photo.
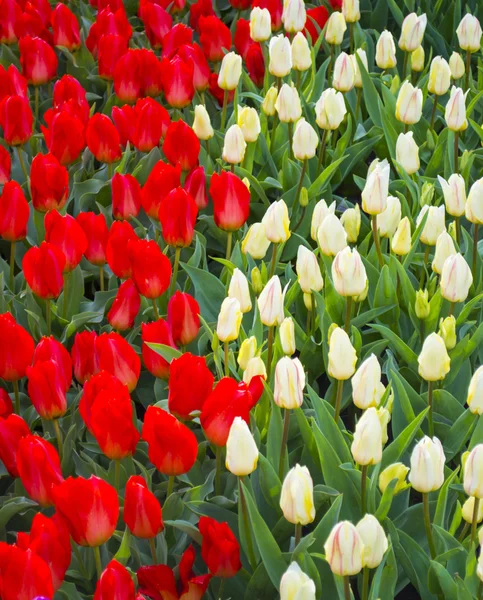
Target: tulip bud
(456, 65)
(401, 241)
(289, 383)
(469, 33)
(234, 146)
(351, 221)
(374, 540)
(269, 102)
(249, 123)
(241, 450)
(455, 112)
(255, 242)
(434, 362)
(407, 152)
(260, 24)
(367, 445)
(417, 60)
(230, 71)
(256, 279)
(270, 303)
(293, 15)
(427, 465)
(395, 471)
(202, 123)
(297, 496)
(304, 197)
(443, 250)
(388, 220)
(344, 77)
(447, 330)
(454, 194)
(239, 289)
(357, 72)
(344, 549)
(308, 271)
(412, 32)
(409, 104)
(422, 307)
(342, 355)
(320, 212)
(376, 189)
(386, 51)
(229, 320)
(439, 76)
(335, 29)
(301, 56)
(296, 585)
(331, 236)
(456, 279)
(474, 206)
(287, 336)
(348, 273)
(434, 225)
(473, 473)
(280, 53)
(467, 511)
(474, 399)
(288, 104)
(277, 222)
(330, 109)
(350, 10)
(247, 351)
(255, 367)
(305, 140)
(366, 383)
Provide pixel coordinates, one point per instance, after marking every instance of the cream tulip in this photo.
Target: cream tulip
(301, 56)
(474, 203)
(297, 496)
(260, 24)
(277, 222)
(268, 104)
(287, 336)
(417, 60)
(351, 11)
(234, 146)
(407, 152)
(454, 194)
(321, 210)
(270, 303)
(444, 249)
(388, 220)
(280, 54)
(249, 123)
(289, 383)
(342, 355)
(474, 399)
(434, 362)
(386, 51)
(256, 243)
(468, 508)
(229, 320)
(348, 273)
(376, 189)
(293, 15)
(409, 104)
(366, 447)
(439, 76)
(308, 271)
(305, 140)
(427, 465)
(447, 331)
(357, 72)
(241, 450)
(288, 104)
(366, 383)
(335, 29)
(351, 221)
(202, 124)
(455, 112)
(456, 279)
(469, 33)
(401, 241)
(397, 471)
(344, 550)
(247, 351)
(343, 78)
(422, 308)
(473, 473)
(330, 109)
(374, 540)
(255, 367)
(434, 225)
(412, 32)
(456, 65)
(230, 71)
(331, 236)
(239, 289)
(296, 585)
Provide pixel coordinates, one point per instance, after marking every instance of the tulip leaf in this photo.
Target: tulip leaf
(371, 97)
(210, 292)
(13, 506)
(440, 581)
(369, 315)
(325, 525)
(167, 352)
(398, 447)
(398, 345)
(386, 501)
(124, 552)
(459, 434)
(324, 178)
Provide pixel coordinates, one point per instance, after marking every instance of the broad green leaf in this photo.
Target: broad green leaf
(396, 449)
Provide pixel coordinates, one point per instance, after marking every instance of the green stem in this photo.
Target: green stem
(323, 143)
(152, 546)
(66, 292)
(155, 309)
(300, 185)
(101, 278)
(451, 308)
(17, 397)
(427, 526)
(430, 413)
(405, 65)
(455, 148)
(463, 533)
(475, 250)
(347, 588)
(283, 445)
(338, 398)
(348, 313)
(220, 589)
(22, 163)
(218, 471)
(358, 102)
(365, 583)
(48, 316)
(58, 435)
(433, 114)
(312, 302)
(273, 264)
(298, 534)
(468, 70)
(246, 525)
(363, 489)
(457, 223)
(170, 486)
(174, 276)
(274, 129)
(290, 139)
(109, 171)
(423, 267)
(12, 267)
(270, 351)
(97, 557)
(117, 474)
(223, 112)
(351, 37)
(375, 235)
(474, 522)
(36, 88)
(229, 242)
(109, 89)
(227, 358)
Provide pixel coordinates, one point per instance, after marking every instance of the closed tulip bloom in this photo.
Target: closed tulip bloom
(417, 60)
(101, 382)
(162, 179)
(293, 16)
(342, 355)
(6, 406)
(409, 104)
(118, 257)
(331, 236)
(350, 10)
(357, 72)
(443, 250)
(255, 243)
(157, 332)
(229, 320)
(280, 53)
(321, 210)
(386, 51)
(65, 233)
(469, 33)
(474, 399)
(249, 123)
(195, 185)
(49, 183)
(150, 126)
(277, 222)
(183, 318)
(38, 59)
(455, 112)
(25, 575)
(308, 271)
(239, 289)
(247, 351)
(288, 104)
(103, 139)
(374, 540)
(434, 362)
(97, 234)
(66, 28)
(254, 371)
(287, 336)
(388, 220)
(289, 383)
(260, 24)
(297, 496)
(336, 27)
(348, 273)
(234, 145)
(241, 450)
(296, 585)
(47, 388)
(142, 510)
(5, 165)
(269, 102)
(84, 356)
(231, 201)
(64, 136)
(12, 429)
(412, 32)
(456, 65)
(396, 471)
(305, 140)
(177, 76)
(367, 445)
(421, 306)
(190, 384)
(435, 224)
(14, 212)
(401, 241)
(230, 71)
(456, 279)
(366, 384)
(439, 76)
(447, 330)
(407, 152)
(151, 269)
(124, 309)
(351, 221)
(467, 512)
(16, 120)
(219, 548)
(427, 465)
(202, 123)
(126, 196)
(474, 206)
(43, 268)
(454, 194)
(115, 579)
(177, 215)
(344, 549)
(344, 76)
(118, 357)
(270, 303)
(472, 478)
(111, 48)
(376, 189)
(215, 37)
(301, 56)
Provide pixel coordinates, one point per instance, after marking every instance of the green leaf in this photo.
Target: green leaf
(398, 345)
(440, 514)
(210, 292)
(371, 97)
(459, 433)
(124, 552)
(167, 352)
(325, 525)
(14, 506)
(324, 178)
(386, 501)
(396, 449)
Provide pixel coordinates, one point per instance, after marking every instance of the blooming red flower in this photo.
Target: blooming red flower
(65, 27)
(117, 248)
(275, 8)
(12, 82)
(49, 348)
(172, 447)
(195, 185)
(178, 81)
(181, 146)
(16, 120)
(162, 179)
(215, 37)
(108, 22)
(183, 318)
(201, 69)
(125, 307)
(38, 59)
(100, 382)
(90, 508)
(64, 136)
(97, 234)
(84, 355)
(46, 389)
(111, 48)
(150, 126)
(6, 406)
(118, 357)
(242, 39)
(103, 139)
(43, 268)
(39, 469)
(16, 348)
(124, 118)
(5, 165)
(151, 269)
(137, 74)
(10, 13)
(157, 22)
(126, 196)
(31, 24)
(142, 510)
(176, 37)
(67, 235)
(231, 200)
(320, 15)
(177, 215)
(220, 549)
(190, 384)
(49, 183)
(156, 333)
(14, 212)
(201, 8)
(115, 583)
(255, 64)
(70, 96)
(12, 429)
(23, 574)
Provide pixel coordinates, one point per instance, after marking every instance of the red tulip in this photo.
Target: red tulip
(151, 125)
(192, 587)
(103, 139)
(142, 510)
(231, 201)
(178, 81)
(124, 119)
(111, 48)
(12, 429)
(181, 146)
(16, 120)
(65, 27)
(215, 38)
(242, 39)
(70, 96)
(84, 355)
(156, 333)
(42, 7)
(23, 574)
(125, 307)
(320, 15)
(5, 165)
(6, 406)
(49, 183)
(195, 185)
(126, 196)
(46, 389)
(49, 348)
(115, 583)
(14, 213)
(241, 4)
(10, 12)
(217, 92)
(108, 23)
(38, 59)
(31, 24)
(157, 23)
(117, 357)
(100, 382)
(12, 83)
(275, 8)
(201, 8)
(151, 269)
(190, 384)
(97, 234)
(16, 349)
(220, 548)
(128, 84)
(39, 468)
(177, 215)
(172, 447)
(152, 80)
(64, 136)
(228, 400)
(177, 36)
(201, 69)
(43, 268)
(162, 179)
(117, 248)
(255, 64)
(90, 508)
(67, 235)
(183, 318)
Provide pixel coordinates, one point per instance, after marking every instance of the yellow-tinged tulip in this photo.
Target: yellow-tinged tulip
(456, 65)
(407, 152)
(256, 279)
(330, 109)
(256, 243)
(401, 241)
(297, 496)
(357, 72)
(468, 509)
(342, 355)
(260, 24)
(455, 112)
(348, 273)
(447, 330)
(469, 33)
(293, 15)
(351, 221)
(350, 10)
(305, 140)
(277, 222)
(289, 383)
(422, 308)
(321, 210)
(434, 225)
(308, 271)
(434, 362)
(417, 60)
(230, 71)
(443, 250)
(301, 56)
(288, 104)
(202, 124)
(397, 471)
(249, 123)
(474, 204)
(388, 220)
(456, 279)
(386, 51)
(366, 383)
(229, 320)
(335, 29)
(241, 450)
(287, 336)
(268, 104)
(248, 350)
(366, 447)
(234, 146)
(384, 416)
(376, 189)
(454, 194)
(374, 540)
(439, 76)
(412, 32)
(473, 473)
(270, 303)
(427, 193)
(280, 53)
(255, 367)
(331, 236)
(344, 549)
(239, 289)
(344, 77)
(409, 104)
(474, 400)
(296, 585)
(427, 465)
(479, 568)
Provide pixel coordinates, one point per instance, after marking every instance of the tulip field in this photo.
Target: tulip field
(241, 300)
